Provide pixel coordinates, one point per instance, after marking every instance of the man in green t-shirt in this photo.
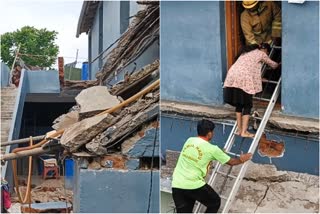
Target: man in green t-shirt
(188, 180)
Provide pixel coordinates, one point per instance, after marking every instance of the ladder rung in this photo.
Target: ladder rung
(228, 175)
(260, 98)
(276, 47)
(270, 81)
(223, 197)
(234, 154)
(259, 118)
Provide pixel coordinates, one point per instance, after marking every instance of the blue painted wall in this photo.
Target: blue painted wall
(5, 72)
(191, 52)
(111, 22)
(114, 191)
(43, 81)
(115, 21)
(175, 131)
(300, 59)
(95, 45)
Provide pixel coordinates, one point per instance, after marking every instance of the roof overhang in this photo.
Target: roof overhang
(87, 15)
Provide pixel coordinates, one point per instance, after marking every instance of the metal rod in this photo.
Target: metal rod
(25, 153)
(23, 140)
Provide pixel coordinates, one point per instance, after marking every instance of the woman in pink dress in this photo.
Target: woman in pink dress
(244, 80)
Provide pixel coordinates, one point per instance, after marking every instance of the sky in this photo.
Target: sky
(61, 16)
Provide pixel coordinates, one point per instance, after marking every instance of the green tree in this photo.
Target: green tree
(33, 42)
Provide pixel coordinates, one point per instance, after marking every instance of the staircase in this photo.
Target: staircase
(8, 98)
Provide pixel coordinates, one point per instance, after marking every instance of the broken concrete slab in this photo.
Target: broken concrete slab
(290, 197)
(82, 132)
(95, 99)
(197, 110)
(128, 121)
(262, 188)
(269, 172)
(66, 120)
(136, 81)
(277, 119)
(249, 195)
(294, 123)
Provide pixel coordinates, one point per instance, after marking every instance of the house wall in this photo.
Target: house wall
(111, 23)
(43, 81)
(107, 28)
(114, 191)
(192, 51)
(300, 59)
(193, 62)
(95, 45)
(178, 129)
(115, 22)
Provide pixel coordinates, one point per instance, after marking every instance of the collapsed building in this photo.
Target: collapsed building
(111, 131)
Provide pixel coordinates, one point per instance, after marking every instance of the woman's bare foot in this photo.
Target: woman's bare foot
(247, 134)
(238, 132)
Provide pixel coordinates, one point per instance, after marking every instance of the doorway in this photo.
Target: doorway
(235, 41)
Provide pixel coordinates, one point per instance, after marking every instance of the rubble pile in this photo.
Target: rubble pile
(95, 137)
(264, 188)
(142, 33)
(48, 191)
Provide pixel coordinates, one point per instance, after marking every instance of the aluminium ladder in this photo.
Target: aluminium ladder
(231, 139)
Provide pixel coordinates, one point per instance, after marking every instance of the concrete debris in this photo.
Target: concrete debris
(82, 132)
(66, 120)
(135, 79)
(265, 189)
(284, 122)
(129, 119)
(294, 123)
(95, 165)
(78, 84)
(249, 195)
(50, 190)
(289, 196)
(141, 34)
(94, 100)
(15, 208)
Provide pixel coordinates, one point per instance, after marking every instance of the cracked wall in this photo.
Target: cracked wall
(178, 129)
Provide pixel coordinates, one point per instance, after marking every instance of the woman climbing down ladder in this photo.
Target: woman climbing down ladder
(244, 80)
